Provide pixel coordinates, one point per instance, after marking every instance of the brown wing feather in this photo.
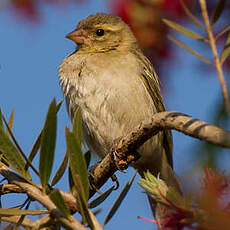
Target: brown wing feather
(152, 84)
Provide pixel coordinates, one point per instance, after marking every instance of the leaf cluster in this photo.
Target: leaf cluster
(12, 155)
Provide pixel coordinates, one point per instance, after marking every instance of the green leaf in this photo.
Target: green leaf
(82, 201)
(11, 154)
(226, 51)
(218, 11)
(117, 203)
(101, 198)
(77, 125)
(58, 106)
(190, 15)
(34, 151)
(188, 49)
(37, 143)
(10, 123)
(87, 156)
(18, 212)
(23, 155)
(59, 201)
(77, 161)
(72, 188)
(183, 30)
(48, 141)
(60, 170)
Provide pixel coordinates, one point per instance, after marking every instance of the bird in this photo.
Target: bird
(117, 88)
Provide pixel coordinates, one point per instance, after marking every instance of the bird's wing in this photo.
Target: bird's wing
(151, 82)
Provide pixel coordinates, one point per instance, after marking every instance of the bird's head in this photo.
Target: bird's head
(101, 33)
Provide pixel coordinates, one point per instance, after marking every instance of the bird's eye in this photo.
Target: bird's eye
(100, 32)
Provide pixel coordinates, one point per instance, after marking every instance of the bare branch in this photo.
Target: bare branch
(160, 121)
(27, 223)
(9, 188)
(36, 194)
(215, 54)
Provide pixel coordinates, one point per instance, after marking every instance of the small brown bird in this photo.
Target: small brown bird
(117, 88)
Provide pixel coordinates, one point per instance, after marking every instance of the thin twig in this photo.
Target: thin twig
(215, 54)
(27, 223)
(36, 194)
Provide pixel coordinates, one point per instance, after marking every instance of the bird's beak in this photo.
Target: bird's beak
(79, 36)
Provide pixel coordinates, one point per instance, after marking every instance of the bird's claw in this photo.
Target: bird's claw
(114, 179)
(122, 162)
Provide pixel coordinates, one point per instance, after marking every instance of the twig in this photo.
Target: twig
(9, 188)
(215, 54)
(36, 194)
(27, 223)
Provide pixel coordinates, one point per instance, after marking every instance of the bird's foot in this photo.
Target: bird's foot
(121, 160)
(91, 179)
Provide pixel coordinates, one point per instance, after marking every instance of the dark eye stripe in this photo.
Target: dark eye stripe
(100, 32)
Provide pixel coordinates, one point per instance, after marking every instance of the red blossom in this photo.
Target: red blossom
(215, 183)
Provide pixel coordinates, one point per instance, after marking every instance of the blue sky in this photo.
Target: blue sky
(29, 58)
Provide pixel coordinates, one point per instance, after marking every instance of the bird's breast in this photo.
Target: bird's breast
(112, 97)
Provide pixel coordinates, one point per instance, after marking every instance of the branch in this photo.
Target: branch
(160, 121)
(128, 144)
(27, 223)
(124, 148)
(215, 54)
(36, 194)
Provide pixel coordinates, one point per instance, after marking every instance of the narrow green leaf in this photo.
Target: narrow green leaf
(58, 175)
(72, 188)
(59, 201)
(183, 30)
(23, 155)
(11, 154)
(218, 11)
(18, 212)
(101, 198)
(223, 31)
(226, 51)
(190, 15)
(117, 203)
(82, 201)
(87, 156)
(10, 123)
(77, 161)
(188, 49)
(77, 125)
(58, 106)
(34, 150)
(37, 143)
(48, 141)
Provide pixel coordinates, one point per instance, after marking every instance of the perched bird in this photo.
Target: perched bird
(116, 88)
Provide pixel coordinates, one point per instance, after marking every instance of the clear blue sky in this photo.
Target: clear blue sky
(29, 58)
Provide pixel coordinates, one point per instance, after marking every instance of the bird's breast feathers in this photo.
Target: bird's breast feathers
(109, 91)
